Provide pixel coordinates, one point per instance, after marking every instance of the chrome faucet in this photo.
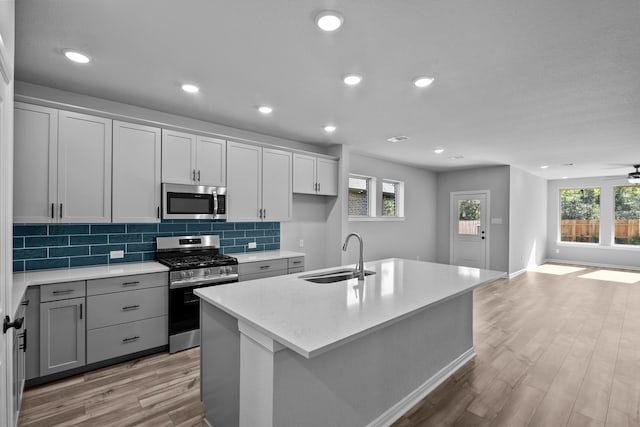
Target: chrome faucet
(360, 266)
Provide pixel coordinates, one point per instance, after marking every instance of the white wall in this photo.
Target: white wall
(603, 254)
(496, 180)
(412, 238)
(527, 220)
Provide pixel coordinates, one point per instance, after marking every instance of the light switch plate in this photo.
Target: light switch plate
(496, 220)
(116, 254)
(252, 245)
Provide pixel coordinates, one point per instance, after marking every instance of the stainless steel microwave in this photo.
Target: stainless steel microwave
(193, 202)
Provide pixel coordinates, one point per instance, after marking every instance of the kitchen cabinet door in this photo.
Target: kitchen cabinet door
(178, 157)
(277, 191)
(84, 168)
(211, 161)
(136, 173)
(304, 174)
(244, 182)
(35, 167)
(327, 176)
(62, 335)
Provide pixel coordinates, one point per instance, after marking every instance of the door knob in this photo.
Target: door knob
(7, 323)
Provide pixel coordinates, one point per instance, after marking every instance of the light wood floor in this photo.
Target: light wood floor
(551, 351)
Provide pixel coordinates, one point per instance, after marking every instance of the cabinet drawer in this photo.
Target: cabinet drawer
(58, 291)
(114, 341)
(295, 270)
(296, 262)
(122, 307)
(263, 267)
(264, 274)
(127, 283)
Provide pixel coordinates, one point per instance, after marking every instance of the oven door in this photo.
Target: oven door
(184, 308)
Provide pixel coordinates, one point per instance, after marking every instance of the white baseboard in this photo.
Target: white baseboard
(403, 406)
(592, 264)
(517, 273)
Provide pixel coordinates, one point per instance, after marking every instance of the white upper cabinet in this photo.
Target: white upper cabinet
(84, 168)
(211, 161)
(35, 166)
(259, 183)
(62, 166)
(136, 173)
(315, 175)
(277, 191)
(192, 159)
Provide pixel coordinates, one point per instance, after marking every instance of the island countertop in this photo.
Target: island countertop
(311, 318)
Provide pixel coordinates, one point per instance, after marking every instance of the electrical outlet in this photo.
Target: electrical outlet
(252, 245)
(116, 254)
(557, 251)
(301, 243)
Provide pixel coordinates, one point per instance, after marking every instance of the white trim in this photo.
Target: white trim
(6, 68)
(258, 337)
(392, 414)
(376, 218)
(519, 272)
(592, 264)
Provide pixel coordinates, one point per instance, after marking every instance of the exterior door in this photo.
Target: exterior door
(469, 234)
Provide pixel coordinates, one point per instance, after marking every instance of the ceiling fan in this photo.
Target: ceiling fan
(634, 177)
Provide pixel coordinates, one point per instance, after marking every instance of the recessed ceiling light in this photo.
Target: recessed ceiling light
(567, 164)
(398, 138)
(565, 177)
(423, 81)
(544, 167)
(329, 128)
(352, 79)
(189, 88)
(329, 20)
(265, 109)
(456, 157)
(76, 56)
(439, 150)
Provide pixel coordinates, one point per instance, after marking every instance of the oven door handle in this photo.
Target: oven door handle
(192, 283)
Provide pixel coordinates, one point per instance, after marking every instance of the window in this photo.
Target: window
(580, 215)
(392, 192)
(361, 196)
(627, 215)
(469, 217)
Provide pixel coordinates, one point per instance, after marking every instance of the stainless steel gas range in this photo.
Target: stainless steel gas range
(194, 262)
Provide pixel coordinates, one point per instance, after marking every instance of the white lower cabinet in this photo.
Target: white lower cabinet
(119, 340)
(62, 335)
(269, 268)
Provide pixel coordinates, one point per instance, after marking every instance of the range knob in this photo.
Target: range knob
(207, 272)
(183, 274)
(229, 270)
(221, 270)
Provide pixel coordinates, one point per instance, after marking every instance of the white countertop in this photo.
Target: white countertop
(311, 318)
(265, 256)
(22, 280)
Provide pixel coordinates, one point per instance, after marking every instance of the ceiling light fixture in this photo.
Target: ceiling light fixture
(439, 150)
(265, 109)
(398, 138)
(352, 79)
(544, 167)
(189, 88)
(329, 20)
(634, 177)
(456, 157)
(423, 81)
(565, 177)
(75, 56)
(329, 128)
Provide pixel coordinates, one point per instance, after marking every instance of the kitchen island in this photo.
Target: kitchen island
(283, 351)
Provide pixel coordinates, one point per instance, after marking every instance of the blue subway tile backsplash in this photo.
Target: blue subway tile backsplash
(37, 247)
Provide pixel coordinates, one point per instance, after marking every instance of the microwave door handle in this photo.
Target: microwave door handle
(215, 204)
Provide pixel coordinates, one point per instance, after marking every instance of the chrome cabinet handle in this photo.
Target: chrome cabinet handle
(297, 262)
(130, 339)
(52, 209)
(60, 210)
(65, 291)
(264, 267)
(158, 211)
(260, 213)
(131, 307)
(264, 213)
(81, 310)
(318, 186)
(193, 175)
(198, 175)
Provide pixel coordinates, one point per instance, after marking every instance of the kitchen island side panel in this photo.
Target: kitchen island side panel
(358, 382)
(219, 365)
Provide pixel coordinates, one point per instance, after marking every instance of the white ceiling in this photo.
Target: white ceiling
(520, 83)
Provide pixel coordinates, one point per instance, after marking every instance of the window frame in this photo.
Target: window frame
(625, 246)
(399, 198)
(559, 240)
(371, 193)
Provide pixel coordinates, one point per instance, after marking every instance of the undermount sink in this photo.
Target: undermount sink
(334, 276)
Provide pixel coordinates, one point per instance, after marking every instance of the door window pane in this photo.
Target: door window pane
(627, 215)
(469, 217)
(580, 215)
(359, 191)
